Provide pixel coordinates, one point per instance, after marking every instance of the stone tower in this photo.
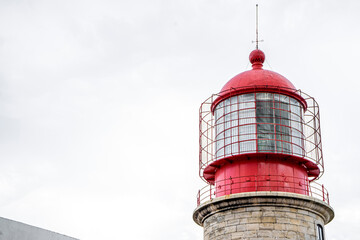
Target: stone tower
(261, 157)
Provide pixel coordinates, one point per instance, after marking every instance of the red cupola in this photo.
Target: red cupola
(260, 134)
(259, 79)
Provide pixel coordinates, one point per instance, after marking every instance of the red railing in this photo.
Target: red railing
(256, 183)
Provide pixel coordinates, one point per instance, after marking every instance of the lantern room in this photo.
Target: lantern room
(260, 134)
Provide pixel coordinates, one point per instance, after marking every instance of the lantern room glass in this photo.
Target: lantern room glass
(258, 122)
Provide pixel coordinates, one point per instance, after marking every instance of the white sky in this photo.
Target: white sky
(99, 105)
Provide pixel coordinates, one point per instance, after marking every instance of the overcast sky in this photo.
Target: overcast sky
(99, 105)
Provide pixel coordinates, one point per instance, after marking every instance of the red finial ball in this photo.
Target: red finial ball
(257, 57)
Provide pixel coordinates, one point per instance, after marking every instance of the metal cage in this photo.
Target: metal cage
(298, 136)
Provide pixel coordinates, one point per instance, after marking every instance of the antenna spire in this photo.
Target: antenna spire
(257, 28)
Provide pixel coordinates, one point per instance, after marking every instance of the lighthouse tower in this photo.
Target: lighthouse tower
(261, 157)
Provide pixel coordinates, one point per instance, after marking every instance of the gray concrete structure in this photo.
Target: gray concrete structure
(263, 216)
(12, 230)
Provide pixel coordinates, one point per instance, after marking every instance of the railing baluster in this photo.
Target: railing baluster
(328, 199)
(254, 183)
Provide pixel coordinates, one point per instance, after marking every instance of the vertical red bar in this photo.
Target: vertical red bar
(328, 200)
(198, 198)
(323, 192)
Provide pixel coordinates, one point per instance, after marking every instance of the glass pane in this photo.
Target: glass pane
(247, 101)
(227, 133)
(234, 107)
(227, 150)
(266, 145)
(274, 120)
(264, 111)
(284, 99)
(227, 109)
(219, 129)
(248, 146)
(220, 153)
(264, 96)
(265, 131)
(235, 148)
(276, 97)
(219, 113)
(265, 117)
(234, 115)
(233, 100)
(247, 116)
(227, 121)
(247, 132)
(234, 122)
(227, 102)
(247, 97)
(296, 136)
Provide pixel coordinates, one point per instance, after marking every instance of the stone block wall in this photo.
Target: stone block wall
(262, 223)
(263, 216)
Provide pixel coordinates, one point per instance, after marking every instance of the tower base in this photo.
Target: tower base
(263, 215)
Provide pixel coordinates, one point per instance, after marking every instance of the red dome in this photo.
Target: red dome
(258, 80)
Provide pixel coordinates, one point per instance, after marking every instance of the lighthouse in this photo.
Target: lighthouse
(261, 158)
